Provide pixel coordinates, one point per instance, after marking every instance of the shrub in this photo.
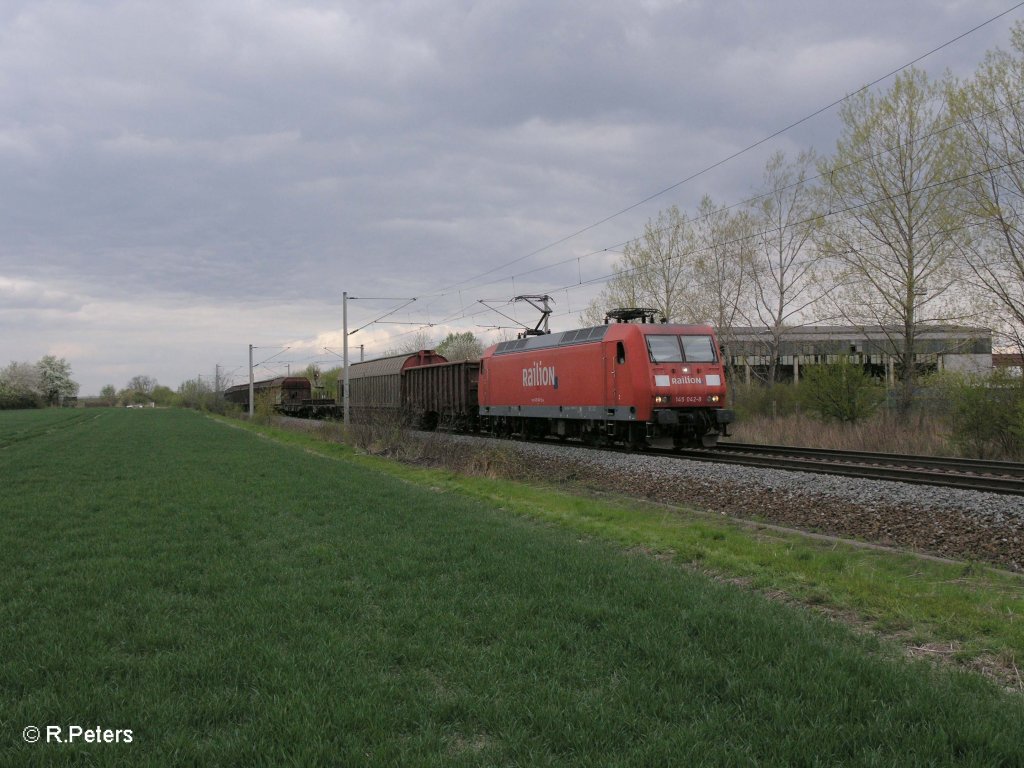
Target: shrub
(263, 408)
(380, 433)
(985, 414)
(11, 399)
(750, 400)
(840, 391)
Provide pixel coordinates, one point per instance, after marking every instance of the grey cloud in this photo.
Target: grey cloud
(280, 151)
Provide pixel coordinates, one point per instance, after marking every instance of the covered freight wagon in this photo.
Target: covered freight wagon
(375, 386)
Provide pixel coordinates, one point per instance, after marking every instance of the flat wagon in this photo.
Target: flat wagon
(287, 395)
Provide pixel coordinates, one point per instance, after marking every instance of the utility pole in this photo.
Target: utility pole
(251, 387)
(344, 358)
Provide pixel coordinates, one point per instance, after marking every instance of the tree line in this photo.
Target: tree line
(36, 385)
(915, 218)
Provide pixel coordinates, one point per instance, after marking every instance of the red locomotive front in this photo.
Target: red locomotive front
(624, 382)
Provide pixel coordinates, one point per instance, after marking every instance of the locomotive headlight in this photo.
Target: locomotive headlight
(661, 399)
(686, 369)
(713, 398)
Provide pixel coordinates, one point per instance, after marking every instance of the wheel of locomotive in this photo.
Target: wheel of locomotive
(637, 437)
(709, 440)
(534, 429)
(682, 440)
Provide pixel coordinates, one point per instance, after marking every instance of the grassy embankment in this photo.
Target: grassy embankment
(239, 601)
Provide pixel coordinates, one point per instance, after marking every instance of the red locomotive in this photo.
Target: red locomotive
(625, 383)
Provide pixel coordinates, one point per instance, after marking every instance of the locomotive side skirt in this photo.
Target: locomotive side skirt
(591, 412)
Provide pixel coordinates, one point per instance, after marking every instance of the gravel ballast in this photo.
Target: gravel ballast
(965, 525)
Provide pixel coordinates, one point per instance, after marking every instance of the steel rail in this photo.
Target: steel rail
(989, 466)
(993, 477)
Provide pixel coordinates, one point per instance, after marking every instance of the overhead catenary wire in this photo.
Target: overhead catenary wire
(734, 155)
(758, 234)
(761, 233)
(580, 282)
(755, 198)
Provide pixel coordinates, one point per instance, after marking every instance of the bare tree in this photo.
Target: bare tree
(655, 271)
(783, 261)
(991, 113)
(722, 257)
(141, 384)
(892, 186)
(421, 339)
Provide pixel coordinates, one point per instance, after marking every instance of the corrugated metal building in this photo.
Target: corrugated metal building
(938, 348)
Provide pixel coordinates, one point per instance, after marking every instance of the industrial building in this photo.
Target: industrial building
(876, 348)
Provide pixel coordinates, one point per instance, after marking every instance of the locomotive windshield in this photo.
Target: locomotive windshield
(681, 349)
(698, 349)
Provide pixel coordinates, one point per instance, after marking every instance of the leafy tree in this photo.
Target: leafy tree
(893, 178)
(20, 386)
(840, 391)
(328, 380)
(163, 396)
(109, 394)
(55, 381)
(133, 397)
(196, 393)
(324, 383)
(461, 346)
(140, 391)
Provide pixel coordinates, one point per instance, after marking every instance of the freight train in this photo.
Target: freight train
(287, 395)
(635, 384)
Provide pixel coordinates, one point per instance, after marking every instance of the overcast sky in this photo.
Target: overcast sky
(181, 179)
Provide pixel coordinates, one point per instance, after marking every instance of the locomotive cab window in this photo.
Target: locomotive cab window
(698, 349)
(679, 349)
(664, 349)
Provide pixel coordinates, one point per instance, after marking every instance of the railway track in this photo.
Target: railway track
(1005, 477)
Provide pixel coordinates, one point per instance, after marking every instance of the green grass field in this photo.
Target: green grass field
(234, 600)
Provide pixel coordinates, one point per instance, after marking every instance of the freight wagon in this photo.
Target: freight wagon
(443, 396)
(375, 386)
(287, 395)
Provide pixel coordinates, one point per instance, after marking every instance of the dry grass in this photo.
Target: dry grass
(920, 434)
